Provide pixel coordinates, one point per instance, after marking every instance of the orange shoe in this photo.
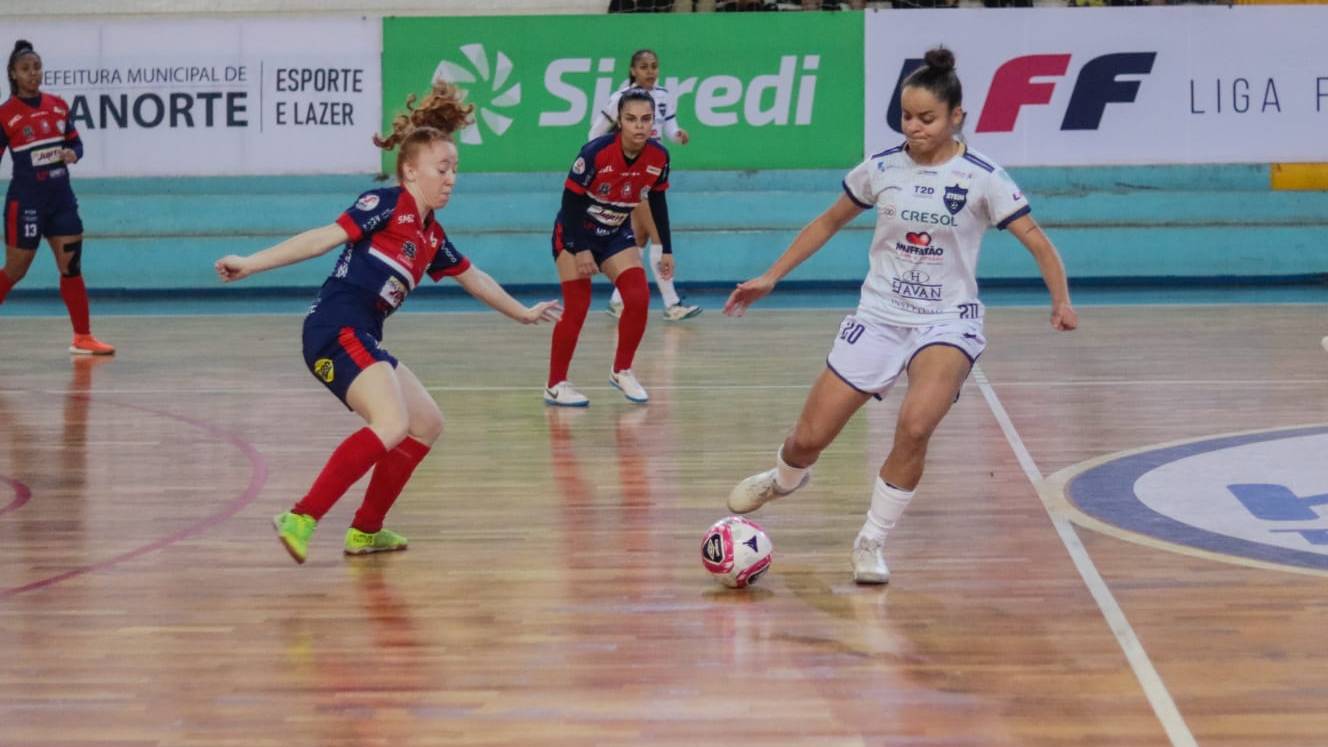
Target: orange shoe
(89, 345)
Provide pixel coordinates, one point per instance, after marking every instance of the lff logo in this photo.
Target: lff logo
(1013, 87)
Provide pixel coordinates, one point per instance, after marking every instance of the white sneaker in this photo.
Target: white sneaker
(626, 383)
(678, 312)
(758, 490)
(869, 561)
(615, 309)
(563, 394)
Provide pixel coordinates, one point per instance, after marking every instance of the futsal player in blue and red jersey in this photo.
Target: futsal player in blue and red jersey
(392, 240)
(593, 232)
(36, 129)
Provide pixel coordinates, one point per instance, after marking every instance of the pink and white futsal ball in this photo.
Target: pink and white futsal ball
(736, 551)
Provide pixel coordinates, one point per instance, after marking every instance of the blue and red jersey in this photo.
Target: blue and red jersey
(613, 184)
(37, 130)
(389, 252)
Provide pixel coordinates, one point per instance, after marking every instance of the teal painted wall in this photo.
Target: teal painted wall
(1190, 222)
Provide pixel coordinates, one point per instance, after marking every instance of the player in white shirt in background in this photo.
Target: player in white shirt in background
(643, 73)
(919, 312)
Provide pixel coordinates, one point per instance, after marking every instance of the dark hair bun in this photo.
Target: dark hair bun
(22, 45)
(940, 60)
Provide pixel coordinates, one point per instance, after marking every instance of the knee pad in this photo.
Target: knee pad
(75, 266)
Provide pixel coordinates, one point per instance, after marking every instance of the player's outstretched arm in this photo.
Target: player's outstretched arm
(311, 243)
(1031, 235)
(479, 284)
(809, 241)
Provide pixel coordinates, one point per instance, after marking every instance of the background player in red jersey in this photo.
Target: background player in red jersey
(36, 129)
(611, 176)
(643, 73)
(391, 240)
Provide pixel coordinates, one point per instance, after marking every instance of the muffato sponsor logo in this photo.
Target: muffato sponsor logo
(918, 244)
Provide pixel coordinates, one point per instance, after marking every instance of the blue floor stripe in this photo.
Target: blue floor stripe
(441, 299)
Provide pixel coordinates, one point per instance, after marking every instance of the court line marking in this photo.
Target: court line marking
(58, 312)
(1164, 707)
(22, 494)
(257, 476)
(1056, 492)
(1150, 383)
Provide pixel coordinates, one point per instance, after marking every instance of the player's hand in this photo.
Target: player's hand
(1063, 317)
(665, 267)
(747, 294)
(69, 156)
(585, 264)
(232, 267)
(544, 311)
(683, 137)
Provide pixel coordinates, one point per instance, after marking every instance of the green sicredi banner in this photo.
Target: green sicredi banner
(754, 91)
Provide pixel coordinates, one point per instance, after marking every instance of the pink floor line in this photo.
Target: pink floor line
(256, 479)
(21, 495)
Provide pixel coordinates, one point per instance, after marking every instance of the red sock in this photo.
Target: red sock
(632, 325)
(75, 295)
(5, 285)
(347, 464)
(389, 477)
(576, 302)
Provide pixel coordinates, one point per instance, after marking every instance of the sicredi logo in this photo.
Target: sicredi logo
(1013, 86)
(488, 101)
(785, 96)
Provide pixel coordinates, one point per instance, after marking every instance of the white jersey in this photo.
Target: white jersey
(666, 121)
(929, 226)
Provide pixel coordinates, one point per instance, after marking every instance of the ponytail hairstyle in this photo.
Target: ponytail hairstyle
(438, 116)
(636, 57)
(937, 75)
(21, 47)
(632, 94)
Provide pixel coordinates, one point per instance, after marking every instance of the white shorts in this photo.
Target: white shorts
(870, 357)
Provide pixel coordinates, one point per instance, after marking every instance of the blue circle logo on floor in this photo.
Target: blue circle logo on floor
(1261, 496)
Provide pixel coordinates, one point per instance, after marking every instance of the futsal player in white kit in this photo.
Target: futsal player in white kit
(643, 73)
(919, 312)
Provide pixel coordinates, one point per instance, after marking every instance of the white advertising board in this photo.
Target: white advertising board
(216, 96)
(1083, 86)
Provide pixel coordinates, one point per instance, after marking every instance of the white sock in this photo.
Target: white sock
(666, 290)
(887, 505)
(786, 477)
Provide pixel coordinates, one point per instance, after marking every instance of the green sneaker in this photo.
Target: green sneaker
(363, 543)
(294, 531)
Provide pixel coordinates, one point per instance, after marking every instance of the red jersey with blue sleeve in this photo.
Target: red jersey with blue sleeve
(390, 249)
(613, 184)
(37, 130)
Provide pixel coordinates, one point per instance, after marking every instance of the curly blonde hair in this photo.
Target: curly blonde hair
(440, 114)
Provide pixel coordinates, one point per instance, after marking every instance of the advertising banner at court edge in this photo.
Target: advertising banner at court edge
(216, 97)
(1085, 86)
(753, 91)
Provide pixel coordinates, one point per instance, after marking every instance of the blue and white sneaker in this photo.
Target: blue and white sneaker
(680, 311)
(625, 381)
(563, 394)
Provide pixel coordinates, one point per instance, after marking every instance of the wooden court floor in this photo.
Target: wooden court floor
(552, 593)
